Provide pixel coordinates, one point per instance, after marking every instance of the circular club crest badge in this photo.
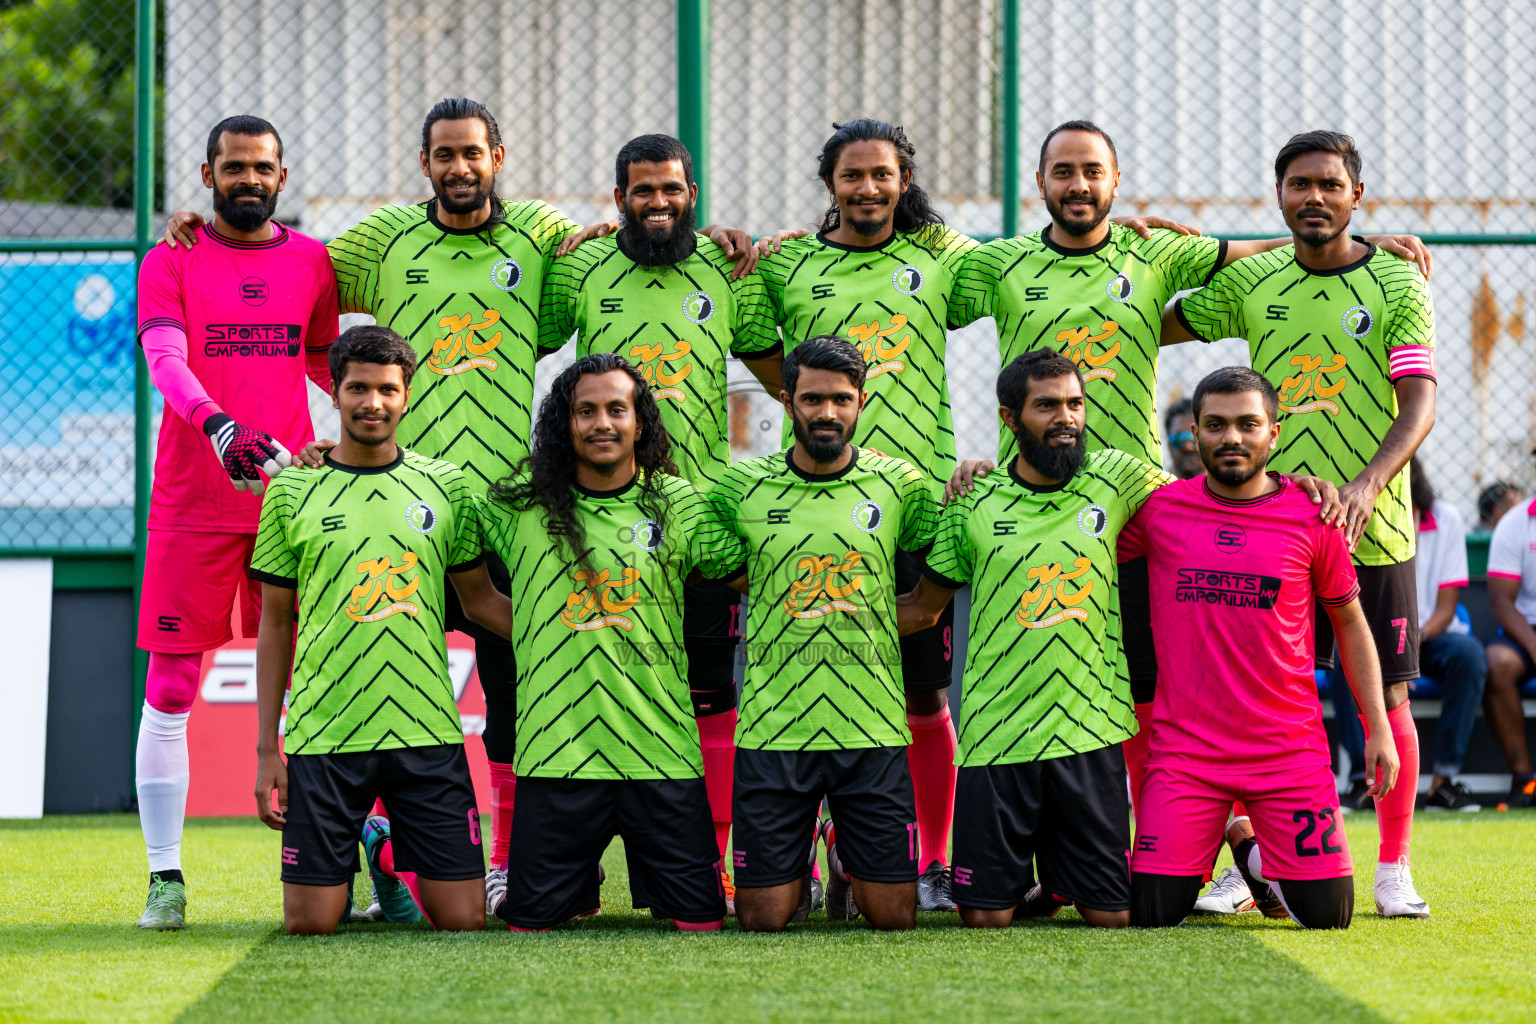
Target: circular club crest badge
(1120, 288)
(1230, 539)
(698, 307)
(867, 515)
(420, 517)
(646, 534)
(908, 279)
(507, 274)
(1358, 321)
(254, 291)
(1092, 520)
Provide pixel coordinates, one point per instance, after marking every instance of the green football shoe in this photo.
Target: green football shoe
(394, 898)
(166, 908)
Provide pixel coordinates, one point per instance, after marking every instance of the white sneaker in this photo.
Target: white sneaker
(1395, 894)
(1227, 895)
(495, 889)
(374, 912)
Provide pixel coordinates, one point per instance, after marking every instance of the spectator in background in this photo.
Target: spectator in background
(1512, 654)
(1179, 436)
(1496, 499)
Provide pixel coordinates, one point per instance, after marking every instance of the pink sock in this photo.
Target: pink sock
(387, 865)
(503, 791)
(525, 931)
(1135, 750)
(717, 742)
(1394, 812)
(688, 926)
(378, 808)
(931, 758)
(1239, 809)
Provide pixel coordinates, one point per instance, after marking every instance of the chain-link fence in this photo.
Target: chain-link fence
(1199, 94)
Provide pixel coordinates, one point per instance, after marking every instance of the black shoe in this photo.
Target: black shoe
(1358, 798)
(1522, 793)
(933, 890)
(1451, 796)
(1037, 903)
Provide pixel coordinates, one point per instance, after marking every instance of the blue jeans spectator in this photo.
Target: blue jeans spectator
(1455, 661)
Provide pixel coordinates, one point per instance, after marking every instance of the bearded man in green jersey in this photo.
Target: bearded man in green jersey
(364, 546)
(822, 708)
(600, 537)
(1346, 334)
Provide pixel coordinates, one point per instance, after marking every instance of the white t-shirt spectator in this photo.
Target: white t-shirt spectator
(1512, 555)
(1441, 561)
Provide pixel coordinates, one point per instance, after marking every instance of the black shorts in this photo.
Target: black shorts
(927, 656)
(1134, 593)
(560, 828)
(434, 826)
(1389, 596)
(778, 793)
(1071, 815)
(711, 631)
(1504, 640)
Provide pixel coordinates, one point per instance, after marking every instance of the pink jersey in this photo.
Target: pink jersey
(250, 311)
(1233, 585)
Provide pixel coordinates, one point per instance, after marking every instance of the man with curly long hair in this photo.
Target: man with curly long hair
(600, 535)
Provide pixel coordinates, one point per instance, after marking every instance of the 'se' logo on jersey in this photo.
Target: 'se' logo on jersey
(1230, 539)
(1092, 520)
(507, 274)
(698, 307)
(420, 517)
(908, 279)
(386, 581)
(254, 292)
(1358, 321)
(595, 596)
(1120, 288)
(1050, 591)
(645, 534)
(867, 515)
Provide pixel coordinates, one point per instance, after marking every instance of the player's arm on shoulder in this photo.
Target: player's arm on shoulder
(1321, 493)
(1357, 651)
(773, 242)
(1145, 224)
(1406, 247)
(274, 665)
(181, 228)
(963, 480)
(571, 242)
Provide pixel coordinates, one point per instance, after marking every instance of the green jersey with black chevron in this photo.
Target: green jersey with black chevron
(891, 301)
(823, 659)
(469, 306)
(1101, 307)
(677, 323)
(602, 687)
(1332, 343)
(367, 549)
(1044, 674)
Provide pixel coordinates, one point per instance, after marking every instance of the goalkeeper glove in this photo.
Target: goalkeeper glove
(243, 450)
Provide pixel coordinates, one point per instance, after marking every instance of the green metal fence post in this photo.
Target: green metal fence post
(143, 213)
(1010, 118)
(693, 92)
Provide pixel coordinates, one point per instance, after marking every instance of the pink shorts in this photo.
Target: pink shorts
(191, 583)
(1295, 816)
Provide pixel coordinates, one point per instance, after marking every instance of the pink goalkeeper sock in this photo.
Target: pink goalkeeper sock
(688, 926)
(717, 744)
(1135, 751)
(931, 758)
(1394, 812)
(503, 794)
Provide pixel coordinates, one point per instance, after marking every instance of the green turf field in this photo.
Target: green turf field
(74, 886)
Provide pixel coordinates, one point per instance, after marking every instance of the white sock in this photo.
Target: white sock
(160, 768)
(1255, 865)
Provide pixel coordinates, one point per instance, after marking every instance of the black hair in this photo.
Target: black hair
(914, 210)
(1078, 126)
(241, 124)
(371, 343)
(1420, 491)
(1183, 407)
(546, 477)
(462, 108)
(1319, 142)
(651, 149)
(824, 352)
(1234, 380)
(1037, 364)
(1489, 499)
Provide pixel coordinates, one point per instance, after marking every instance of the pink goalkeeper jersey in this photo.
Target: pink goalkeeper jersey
(249, 310)
(1233, 584)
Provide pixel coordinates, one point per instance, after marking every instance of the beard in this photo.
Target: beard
(370, 434)
(1052, 461)
(818, 449)
(1073, 222)
(482, 194)
(874, 224)
(651, 248)
(1233, 476)
(244, 216)
(1321, 234)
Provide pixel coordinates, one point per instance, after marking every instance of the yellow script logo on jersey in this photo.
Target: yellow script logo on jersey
(653, 360)
(827, 583)
(461, 341)
(878, 357)
(385, 582)
(1051, 592)
(1310, 390)
(595, 597)
(1079, 348)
